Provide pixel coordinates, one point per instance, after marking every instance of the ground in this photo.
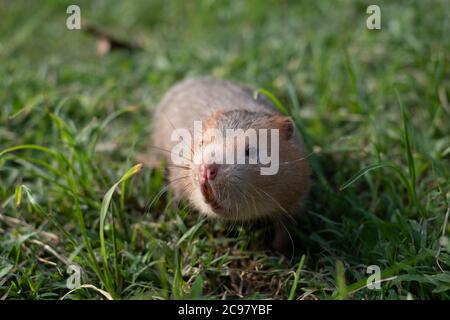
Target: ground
(372, 104)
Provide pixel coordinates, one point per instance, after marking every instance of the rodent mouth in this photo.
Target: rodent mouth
(208, 195)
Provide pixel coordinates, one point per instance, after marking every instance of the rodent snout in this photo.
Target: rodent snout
(209, 171)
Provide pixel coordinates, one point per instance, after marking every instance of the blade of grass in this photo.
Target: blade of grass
(409, 153)
(29, 146)
(178, 282)
(390, 272)
(55, 154)
(18, 196)
(190, 232)
(341, 288)
(103, 213)
(75, 183)
(386, 164)
(296, 278)
(406, 135)
(374, 166)
(274, 99)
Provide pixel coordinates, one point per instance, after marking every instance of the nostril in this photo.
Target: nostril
(212, 171)
(208, 171)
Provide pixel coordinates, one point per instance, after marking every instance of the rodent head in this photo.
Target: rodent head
(244, 188)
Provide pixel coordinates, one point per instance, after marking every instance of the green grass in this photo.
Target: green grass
(373, 107)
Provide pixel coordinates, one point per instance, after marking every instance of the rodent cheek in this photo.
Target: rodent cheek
(254, 175)
(238, 171)
(195, 176)
(226, 172)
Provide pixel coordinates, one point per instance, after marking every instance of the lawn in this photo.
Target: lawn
(373, 105)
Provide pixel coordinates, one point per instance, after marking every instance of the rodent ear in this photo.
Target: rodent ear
(285, 125)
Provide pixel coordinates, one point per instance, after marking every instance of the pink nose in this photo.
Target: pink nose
(209, 171)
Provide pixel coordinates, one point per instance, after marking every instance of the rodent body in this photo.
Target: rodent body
(230, 191)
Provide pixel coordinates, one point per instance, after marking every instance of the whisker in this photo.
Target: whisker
(156, 198)
(290, 238)
(170, 152)
(177, 179)
(299, 159)
(178, 166)
(161, 192)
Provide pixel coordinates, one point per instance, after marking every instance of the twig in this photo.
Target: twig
(13, 222)
(52, 251)
(107, 42)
